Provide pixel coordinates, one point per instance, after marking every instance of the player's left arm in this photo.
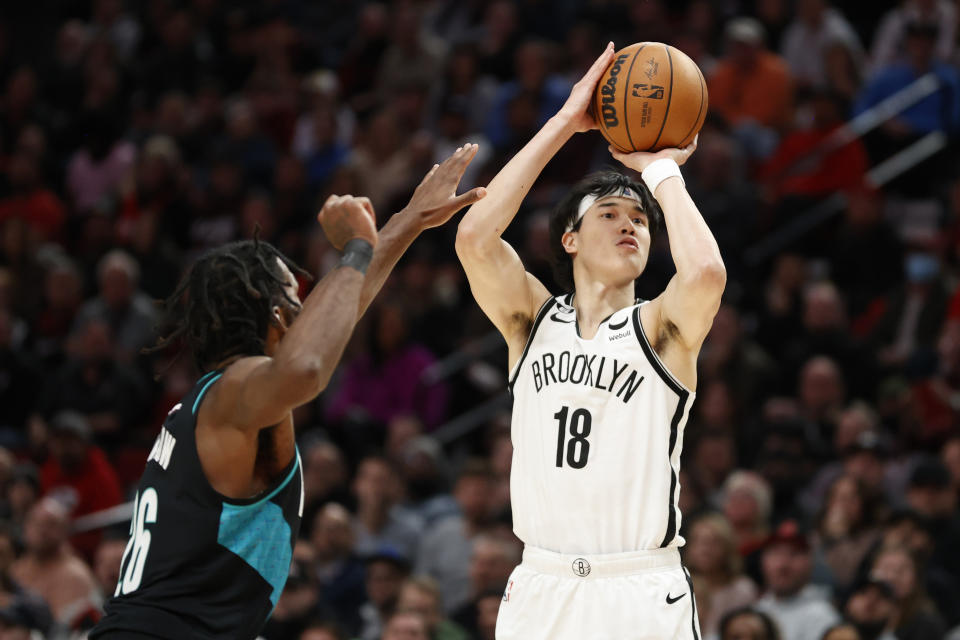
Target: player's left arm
(685, 310)
(433, 203)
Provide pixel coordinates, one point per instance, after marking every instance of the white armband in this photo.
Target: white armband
(658, 171)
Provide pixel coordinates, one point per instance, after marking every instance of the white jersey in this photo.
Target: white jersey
(597, 434)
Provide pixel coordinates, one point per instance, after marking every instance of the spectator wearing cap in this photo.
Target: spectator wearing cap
(50, 568)
(386, 570)
(801, 610)
(78, 475)
(847, 529)
(931, 494)
(915, 616)
(871, 607)
(751, 85)
(447, 547)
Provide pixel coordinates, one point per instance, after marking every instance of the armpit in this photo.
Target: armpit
(521, 323)
(667, 333)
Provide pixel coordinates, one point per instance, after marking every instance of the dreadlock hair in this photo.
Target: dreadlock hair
(600, 184)
(224, 303)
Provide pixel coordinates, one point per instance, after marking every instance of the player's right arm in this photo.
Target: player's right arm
(259, 392)
(506, 293)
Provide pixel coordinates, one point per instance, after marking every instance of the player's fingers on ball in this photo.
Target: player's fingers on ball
(601, 62)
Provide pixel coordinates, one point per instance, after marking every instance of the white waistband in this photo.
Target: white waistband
(600, 565)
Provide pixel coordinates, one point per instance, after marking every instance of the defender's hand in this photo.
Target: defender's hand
(639, 160)
(344, 218)
(575, 112)
(435, 199)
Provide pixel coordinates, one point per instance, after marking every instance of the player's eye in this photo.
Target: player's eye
(639, 221)
(607, 215)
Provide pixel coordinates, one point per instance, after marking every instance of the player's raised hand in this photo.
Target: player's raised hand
(576, 110)
(435, 199)
(639, 160)
(344, 218)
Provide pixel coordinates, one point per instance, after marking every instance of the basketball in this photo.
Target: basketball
(652, 97)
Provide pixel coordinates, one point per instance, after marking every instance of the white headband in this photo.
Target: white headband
(589, 200)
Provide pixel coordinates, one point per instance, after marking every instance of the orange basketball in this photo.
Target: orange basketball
(652, 97)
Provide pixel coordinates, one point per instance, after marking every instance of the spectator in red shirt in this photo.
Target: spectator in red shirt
(31, 200)
(78, 475)
(803, 166)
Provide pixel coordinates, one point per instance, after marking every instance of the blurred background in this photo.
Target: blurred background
(821, 463)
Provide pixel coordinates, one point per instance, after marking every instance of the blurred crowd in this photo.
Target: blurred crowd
(821, 463)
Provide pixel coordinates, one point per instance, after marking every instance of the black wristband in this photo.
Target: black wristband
(357, 254)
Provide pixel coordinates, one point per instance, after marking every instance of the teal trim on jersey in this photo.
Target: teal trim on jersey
(261, 537)
(206, 375)
(286, 481)
(196, 403)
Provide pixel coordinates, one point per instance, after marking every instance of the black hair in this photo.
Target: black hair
(600, 184)
(224, 304)
(770, 628)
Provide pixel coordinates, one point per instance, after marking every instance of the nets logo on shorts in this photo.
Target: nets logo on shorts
(581, 567)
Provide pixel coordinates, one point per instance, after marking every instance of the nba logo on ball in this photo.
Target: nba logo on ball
(581, 567)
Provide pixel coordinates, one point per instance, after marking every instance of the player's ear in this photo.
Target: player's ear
(569, 242)
(277, 318)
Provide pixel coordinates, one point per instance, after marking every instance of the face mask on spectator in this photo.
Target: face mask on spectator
(921, 267)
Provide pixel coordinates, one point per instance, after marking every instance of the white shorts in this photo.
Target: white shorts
(641, 595)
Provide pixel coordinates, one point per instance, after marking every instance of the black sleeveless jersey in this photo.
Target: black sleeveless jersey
(198, 564)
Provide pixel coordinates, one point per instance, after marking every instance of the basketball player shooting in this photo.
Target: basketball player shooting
(602, 387)
(219, 504)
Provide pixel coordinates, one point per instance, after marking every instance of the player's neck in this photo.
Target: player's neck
(595, 301)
